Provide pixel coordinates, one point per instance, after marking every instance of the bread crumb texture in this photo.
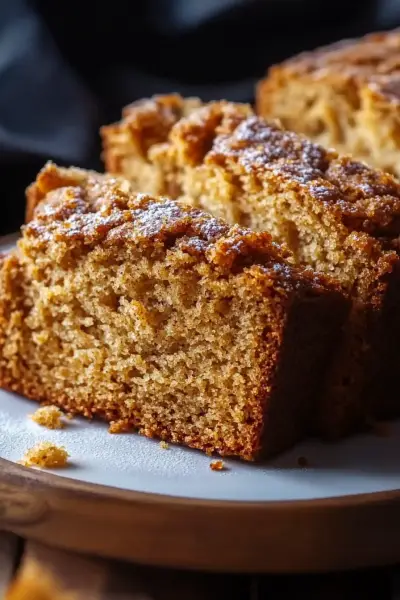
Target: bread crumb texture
(45, 455)
(48, 416)
(164, 445)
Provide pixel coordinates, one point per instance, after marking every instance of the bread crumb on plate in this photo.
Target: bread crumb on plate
(120, 426)
(217, 465)
(164, 445)
(45, 455)
(48, 416)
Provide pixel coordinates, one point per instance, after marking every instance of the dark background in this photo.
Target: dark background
(68, 67)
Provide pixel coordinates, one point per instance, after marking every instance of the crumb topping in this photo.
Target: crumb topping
(120, 426)
(100, 209)
(155, 116)
(229, 134)
(364, 199)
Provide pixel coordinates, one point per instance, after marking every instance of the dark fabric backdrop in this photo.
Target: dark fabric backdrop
(68, 67)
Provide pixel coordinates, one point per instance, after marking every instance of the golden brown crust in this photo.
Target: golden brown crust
(197, 133)
(346, 95)
(82, 207)
(128, 145)
(97, 209)
(363, 199)
(373, 60)
(52, 177)
(147, 122)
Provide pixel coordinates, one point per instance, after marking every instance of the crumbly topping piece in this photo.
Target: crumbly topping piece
(217, 465)
(52, 177)
(164, 445)
(194, 135)
(48, 416)
(45, 455)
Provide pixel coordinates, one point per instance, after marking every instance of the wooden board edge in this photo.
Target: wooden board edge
(280, 537)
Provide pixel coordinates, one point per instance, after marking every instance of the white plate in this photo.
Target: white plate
(358, 465)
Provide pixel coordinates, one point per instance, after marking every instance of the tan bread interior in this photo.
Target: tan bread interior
(312, 233)
(318, 241)
(340, 116)
(147, 340)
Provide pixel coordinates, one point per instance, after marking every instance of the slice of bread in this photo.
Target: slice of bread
(161, 318)
(346, 95)
(337, 216)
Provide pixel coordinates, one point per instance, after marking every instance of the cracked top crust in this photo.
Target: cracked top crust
(82, 208)
(373, 60)
(364, 199)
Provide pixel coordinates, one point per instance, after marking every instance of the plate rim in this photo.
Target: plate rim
(62, 483)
